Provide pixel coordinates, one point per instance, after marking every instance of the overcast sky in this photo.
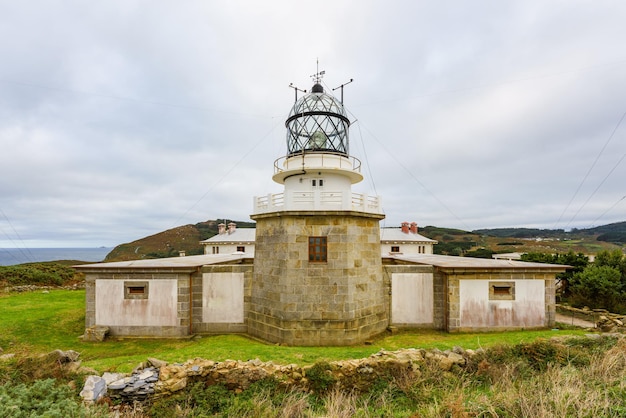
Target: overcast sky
(121, 119)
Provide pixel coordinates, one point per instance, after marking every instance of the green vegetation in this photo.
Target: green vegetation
(590, 373)
(52, 274)
(598, 285)
(570, 377)
(601, 284)
(37, 322)
(43, 398)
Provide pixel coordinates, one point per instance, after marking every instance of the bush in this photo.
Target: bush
(51, 274)
(199, 397)
(597, 287)
(320, 377)
(43, 398)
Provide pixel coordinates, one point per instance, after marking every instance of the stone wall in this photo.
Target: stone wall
(201, 326)
(435, 297)
(297, 302)
(523, 312)
(173, 320)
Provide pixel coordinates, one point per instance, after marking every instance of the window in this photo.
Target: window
(317, 182)
(395, 249)
(502, 291)
(216, 250)
(317, 249)
(241, 249)
(136, 290)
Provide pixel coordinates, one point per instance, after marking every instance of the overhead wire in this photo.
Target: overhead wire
(227, 173)
(608, 210)
(595, 161)
(27, 255)
(596, 189)
(414, 177)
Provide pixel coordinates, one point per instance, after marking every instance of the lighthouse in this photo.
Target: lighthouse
(317, 266)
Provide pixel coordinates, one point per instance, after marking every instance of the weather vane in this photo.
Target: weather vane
(317, 77)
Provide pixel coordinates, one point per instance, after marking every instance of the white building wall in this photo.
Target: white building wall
(411, 298)
(229, 249)
(407, 248)
(527, 309)
(222, 297)
(158, 309)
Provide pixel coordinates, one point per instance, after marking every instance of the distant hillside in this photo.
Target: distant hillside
(615, 233)
(478, 243)
(486, 242)
(168, 243)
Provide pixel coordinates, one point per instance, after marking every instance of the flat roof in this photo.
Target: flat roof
(449, 261)
(191, 261)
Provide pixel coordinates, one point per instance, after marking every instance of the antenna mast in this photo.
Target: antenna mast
(296, 90)
(341, 87)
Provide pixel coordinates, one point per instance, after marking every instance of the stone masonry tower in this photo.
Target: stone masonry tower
(317, 265)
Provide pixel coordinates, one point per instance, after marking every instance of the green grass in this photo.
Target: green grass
(39, 322)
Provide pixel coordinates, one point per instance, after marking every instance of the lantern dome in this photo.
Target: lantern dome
(317, 122)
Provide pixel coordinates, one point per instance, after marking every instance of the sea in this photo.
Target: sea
(12, 256)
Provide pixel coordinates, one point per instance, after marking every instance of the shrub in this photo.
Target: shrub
(44, 398)
(52, 274)
(597, 287)
(320, 377)
(198, 397)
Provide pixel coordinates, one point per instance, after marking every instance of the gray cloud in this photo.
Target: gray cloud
(121, 119)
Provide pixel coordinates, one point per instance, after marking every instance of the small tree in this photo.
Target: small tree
(578, 262)
(615, 259)
(597, 287)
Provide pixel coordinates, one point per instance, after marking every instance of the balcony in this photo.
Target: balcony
(317, 200)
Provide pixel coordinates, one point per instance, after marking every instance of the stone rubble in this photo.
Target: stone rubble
(611, 323)
(158, 378)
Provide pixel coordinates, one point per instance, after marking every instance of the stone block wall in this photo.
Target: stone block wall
(202, 327)
(452, 279)
(436, 298)
(338, 302)
(173, 323)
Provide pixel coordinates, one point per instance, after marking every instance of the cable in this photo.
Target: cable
(589, 172)
(594, 192)
(263, 138)
(607, 211)
(29, 256)
(418, 181)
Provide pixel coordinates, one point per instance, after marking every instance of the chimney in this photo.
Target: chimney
(405, 227)
(182, 253)
(414, 227)
(221, 228)
(231, 227)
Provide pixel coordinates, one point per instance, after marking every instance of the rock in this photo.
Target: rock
(456, 358)
(112, 377)
(445, 363)
(6, 357)
(156, 362)
(95, 388)
(96, 333)
(458, 350)
(63, 357)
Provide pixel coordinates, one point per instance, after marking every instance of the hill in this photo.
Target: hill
(477, 243)
(168, 243)
(485, 242)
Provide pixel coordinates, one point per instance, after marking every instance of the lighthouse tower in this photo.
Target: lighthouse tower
(317, 265)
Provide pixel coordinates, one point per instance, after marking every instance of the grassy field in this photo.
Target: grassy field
(38, 322)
